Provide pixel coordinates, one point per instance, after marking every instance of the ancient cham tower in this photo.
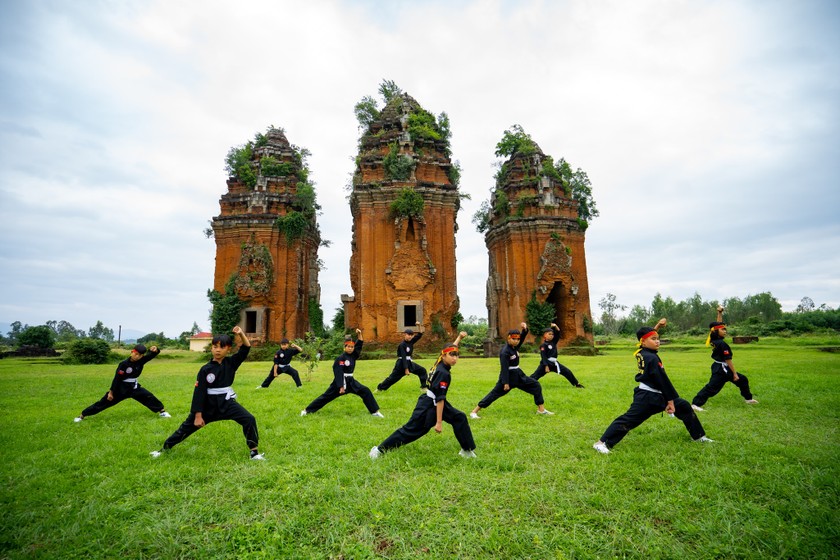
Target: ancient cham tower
(535, 240)
(404, 202)
(267, 238)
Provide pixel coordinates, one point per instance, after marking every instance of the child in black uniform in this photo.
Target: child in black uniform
(511, 376)
(125, 385)
(722, 368)
(282, 364)
(344, 382)
(654, 394)
(548, 358)
(405, 365)
(432, 410)
(214, 399)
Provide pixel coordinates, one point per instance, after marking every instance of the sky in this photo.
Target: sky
(710, 131)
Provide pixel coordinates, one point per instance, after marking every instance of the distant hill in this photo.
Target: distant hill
(127, 336)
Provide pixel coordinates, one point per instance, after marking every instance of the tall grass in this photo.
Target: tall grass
(768, 487)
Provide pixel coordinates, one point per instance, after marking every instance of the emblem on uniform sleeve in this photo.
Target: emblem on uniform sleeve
(444, 384)
(211, 377)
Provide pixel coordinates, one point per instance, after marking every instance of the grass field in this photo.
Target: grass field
(767, 488)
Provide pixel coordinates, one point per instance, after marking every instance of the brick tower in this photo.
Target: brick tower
(535, 241)
(267, 238)
(404, 203)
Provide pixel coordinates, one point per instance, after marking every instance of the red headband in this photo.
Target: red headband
(716, 327)
(648, 335)
(449, 349)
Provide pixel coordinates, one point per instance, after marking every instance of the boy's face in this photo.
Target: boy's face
(549, 336)
(513, 339)
(220, 351)
(722, 332)
(450, 359)
(407, 336)
(651, 342)
(135, 355)
(284, 345)
(349, 347)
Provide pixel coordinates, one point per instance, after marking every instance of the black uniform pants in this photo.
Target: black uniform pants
(557, 367)
(353, 387)
(219, 409)
(288, 370)
(720, 375)
(517, 380)
(141, 395)
(646, 404)
(398, 373)
(424, 418)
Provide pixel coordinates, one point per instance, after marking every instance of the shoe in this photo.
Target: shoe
(671, 414)
(751, 401)
(579, 386)
(78, 419)
(467, 454)
(475, 416)
(545, 412)
(698, 408)
(258, 457)
(704, 439)
(374, 452)
(601, 447)
(260, 387)
(155, 454)
(378, 414)
(165, 414)
(303, 412)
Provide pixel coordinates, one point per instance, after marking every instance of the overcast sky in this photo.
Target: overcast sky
(710, 131)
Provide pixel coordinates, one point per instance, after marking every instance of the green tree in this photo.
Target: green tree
(101, 332)
(577, 185)
(40, 337)
(609, 308)
(87, 351)
(226, 308)
(538, 315)
(366, 112)
(515, 140)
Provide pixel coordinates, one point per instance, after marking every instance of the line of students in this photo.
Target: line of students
(214, 399)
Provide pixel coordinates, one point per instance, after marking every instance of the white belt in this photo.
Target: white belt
(228, 391)
(649, 388)
(408, 358)
(723, 364)
(348, 375)
(130, 380)
(513, 367)
(431, 396)
(553, 360)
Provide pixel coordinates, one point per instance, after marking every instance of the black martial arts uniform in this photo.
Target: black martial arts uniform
(548, 359)
(214, 398)
(649, 398)
(343, 367)
(721, 374)
(511, 374)
(125, 386)
(283, 359)
(405, 362)
(424, 416)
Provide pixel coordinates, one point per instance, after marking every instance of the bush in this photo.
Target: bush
(87, 351)
(40, 337)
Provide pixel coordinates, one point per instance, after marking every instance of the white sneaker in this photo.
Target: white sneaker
(378, 414)
(751, 401)
(78, 419)
(165, 414)
(545, 412)
(155, 454)
(467, 454)
(601, 447)
(259, 386)
(704, 439)
(258, 457)
(374, 452)
(475, 415)
(698, 408)
(303, 412)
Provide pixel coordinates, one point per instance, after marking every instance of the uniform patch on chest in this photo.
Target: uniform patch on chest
(211, 377)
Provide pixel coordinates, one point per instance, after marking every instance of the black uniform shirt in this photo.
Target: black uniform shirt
(440, 382)
(549, 349)
(215, 375)
(130, 370)
(346, 363)
(652, 373)
(721, 350)
(404, 350)
(284, 357)
(509, 358)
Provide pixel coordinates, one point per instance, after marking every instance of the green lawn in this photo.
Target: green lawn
(768, 487)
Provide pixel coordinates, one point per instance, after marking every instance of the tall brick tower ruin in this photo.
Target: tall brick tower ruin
(535, 241)
(267, 238)
(404, 203)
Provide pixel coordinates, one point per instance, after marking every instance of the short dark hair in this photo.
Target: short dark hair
(514, 331)
(643, 331)
(222, 340)
(408, 331)
(140, 349)
(284, 341)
